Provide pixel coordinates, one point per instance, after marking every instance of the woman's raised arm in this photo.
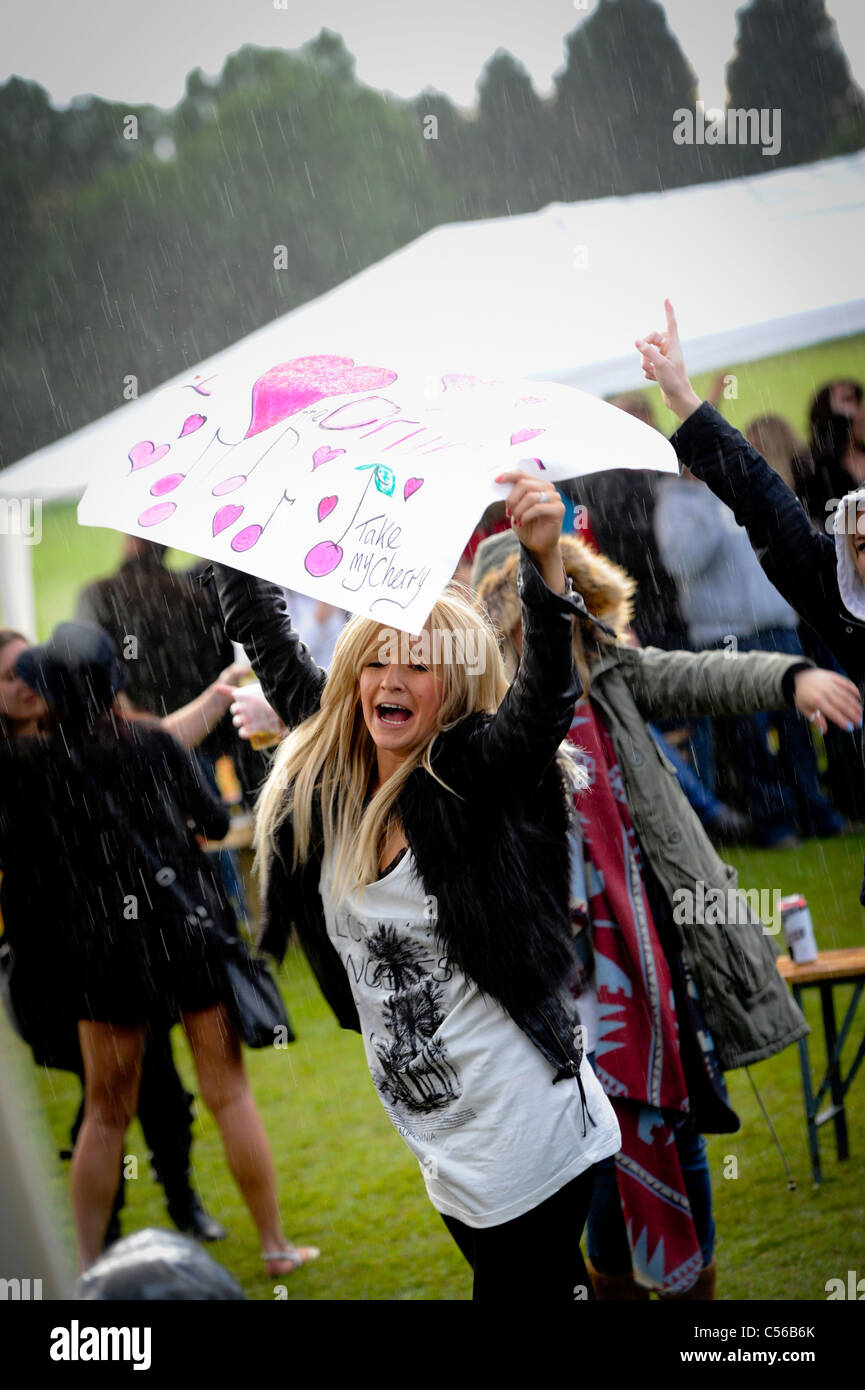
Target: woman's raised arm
(255, 615)
(536, 713)
(798, 560)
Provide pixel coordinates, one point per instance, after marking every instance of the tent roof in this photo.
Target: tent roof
(755, 266)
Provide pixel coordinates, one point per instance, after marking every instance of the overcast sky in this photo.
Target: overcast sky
(140, 51)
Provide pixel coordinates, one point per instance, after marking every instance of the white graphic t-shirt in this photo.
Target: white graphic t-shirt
(467, 1090)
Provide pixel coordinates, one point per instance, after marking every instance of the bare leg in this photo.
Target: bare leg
(225, 1091)
(112, 1068)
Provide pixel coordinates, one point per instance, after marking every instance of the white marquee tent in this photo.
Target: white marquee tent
(755, 266)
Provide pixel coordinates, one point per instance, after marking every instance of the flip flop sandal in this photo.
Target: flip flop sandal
(293, 1254)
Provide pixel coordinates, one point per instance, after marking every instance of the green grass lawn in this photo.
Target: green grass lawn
(71, 555)
(348, 1184)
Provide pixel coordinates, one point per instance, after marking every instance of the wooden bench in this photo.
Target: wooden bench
(831, 968)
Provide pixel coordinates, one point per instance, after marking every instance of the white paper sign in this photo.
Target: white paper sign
(345, 481)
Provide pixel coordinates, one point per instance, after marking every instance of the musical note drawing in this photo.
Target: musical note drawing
(251, 535)
(167, 484)
(229, 485)
(153, 515)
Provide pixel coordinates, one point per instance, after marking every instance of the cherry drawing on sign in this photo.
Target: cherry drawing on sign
(325, 557)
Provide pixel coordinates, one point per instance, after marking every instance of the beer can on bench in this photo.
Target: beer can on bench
(798, 929)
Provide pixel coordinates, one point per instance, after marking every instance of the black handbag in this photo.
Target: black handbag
(250, 994)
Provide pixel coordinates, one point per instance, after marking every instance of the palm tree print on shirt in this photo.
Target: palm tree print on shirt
(415, 1071)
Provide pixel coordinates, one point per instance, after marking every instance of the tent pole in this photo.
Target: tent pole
(17, 604)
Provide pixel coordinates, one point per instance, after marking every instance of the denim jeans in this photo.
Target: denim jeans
(606, 1237)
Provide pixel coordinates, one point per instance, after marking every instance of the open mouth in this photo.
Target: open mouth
(393, 715)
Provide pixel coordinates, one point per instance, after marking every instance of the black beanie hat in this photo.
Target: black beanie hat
(77, 671)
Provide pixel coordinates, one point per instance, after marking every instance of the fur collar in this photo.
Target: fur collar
(608, 590)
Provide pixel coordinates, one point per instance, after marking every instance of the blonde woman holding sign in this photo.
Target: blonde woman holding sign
(414, 830)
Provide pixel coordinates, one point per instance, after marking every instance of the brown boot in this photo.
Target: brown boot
(703, 1289)
(619, 1288)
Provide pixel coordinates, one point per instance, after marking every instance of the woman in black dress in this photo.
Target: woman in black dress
(86, 811)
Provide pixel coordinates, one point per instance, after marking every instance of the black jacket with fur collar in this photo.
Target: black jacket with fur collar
(492, 851)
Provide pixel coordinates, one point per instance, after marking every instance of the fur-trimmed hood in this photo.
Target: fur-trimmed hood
(607, 589)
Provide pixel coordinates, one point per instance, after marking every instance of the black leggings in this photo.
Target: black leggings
(536, 1257)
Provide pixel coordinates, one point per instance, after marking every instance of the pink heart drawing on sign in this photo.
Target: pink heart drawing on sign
(324, 455)
(290, 386)
(326, 506)
(323, 559)
(153, 515)
(167, 484)
(245, 539)
(143, 454)
(228, 485)
(226, 516)
(411, 487)
(522, 436)
(191, 424)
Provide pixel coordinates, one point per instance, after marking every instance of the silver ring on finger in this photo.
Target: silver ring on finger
(816, 716)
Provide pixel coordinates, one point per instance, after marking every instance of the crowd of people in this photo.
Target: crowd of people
(480, 862)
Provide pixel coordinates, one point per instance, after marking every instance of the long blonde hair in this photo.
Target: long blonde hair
(331, 755)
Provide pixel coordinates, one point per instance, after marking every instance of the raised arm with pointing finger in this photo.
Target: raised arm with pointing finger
(805, 565)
